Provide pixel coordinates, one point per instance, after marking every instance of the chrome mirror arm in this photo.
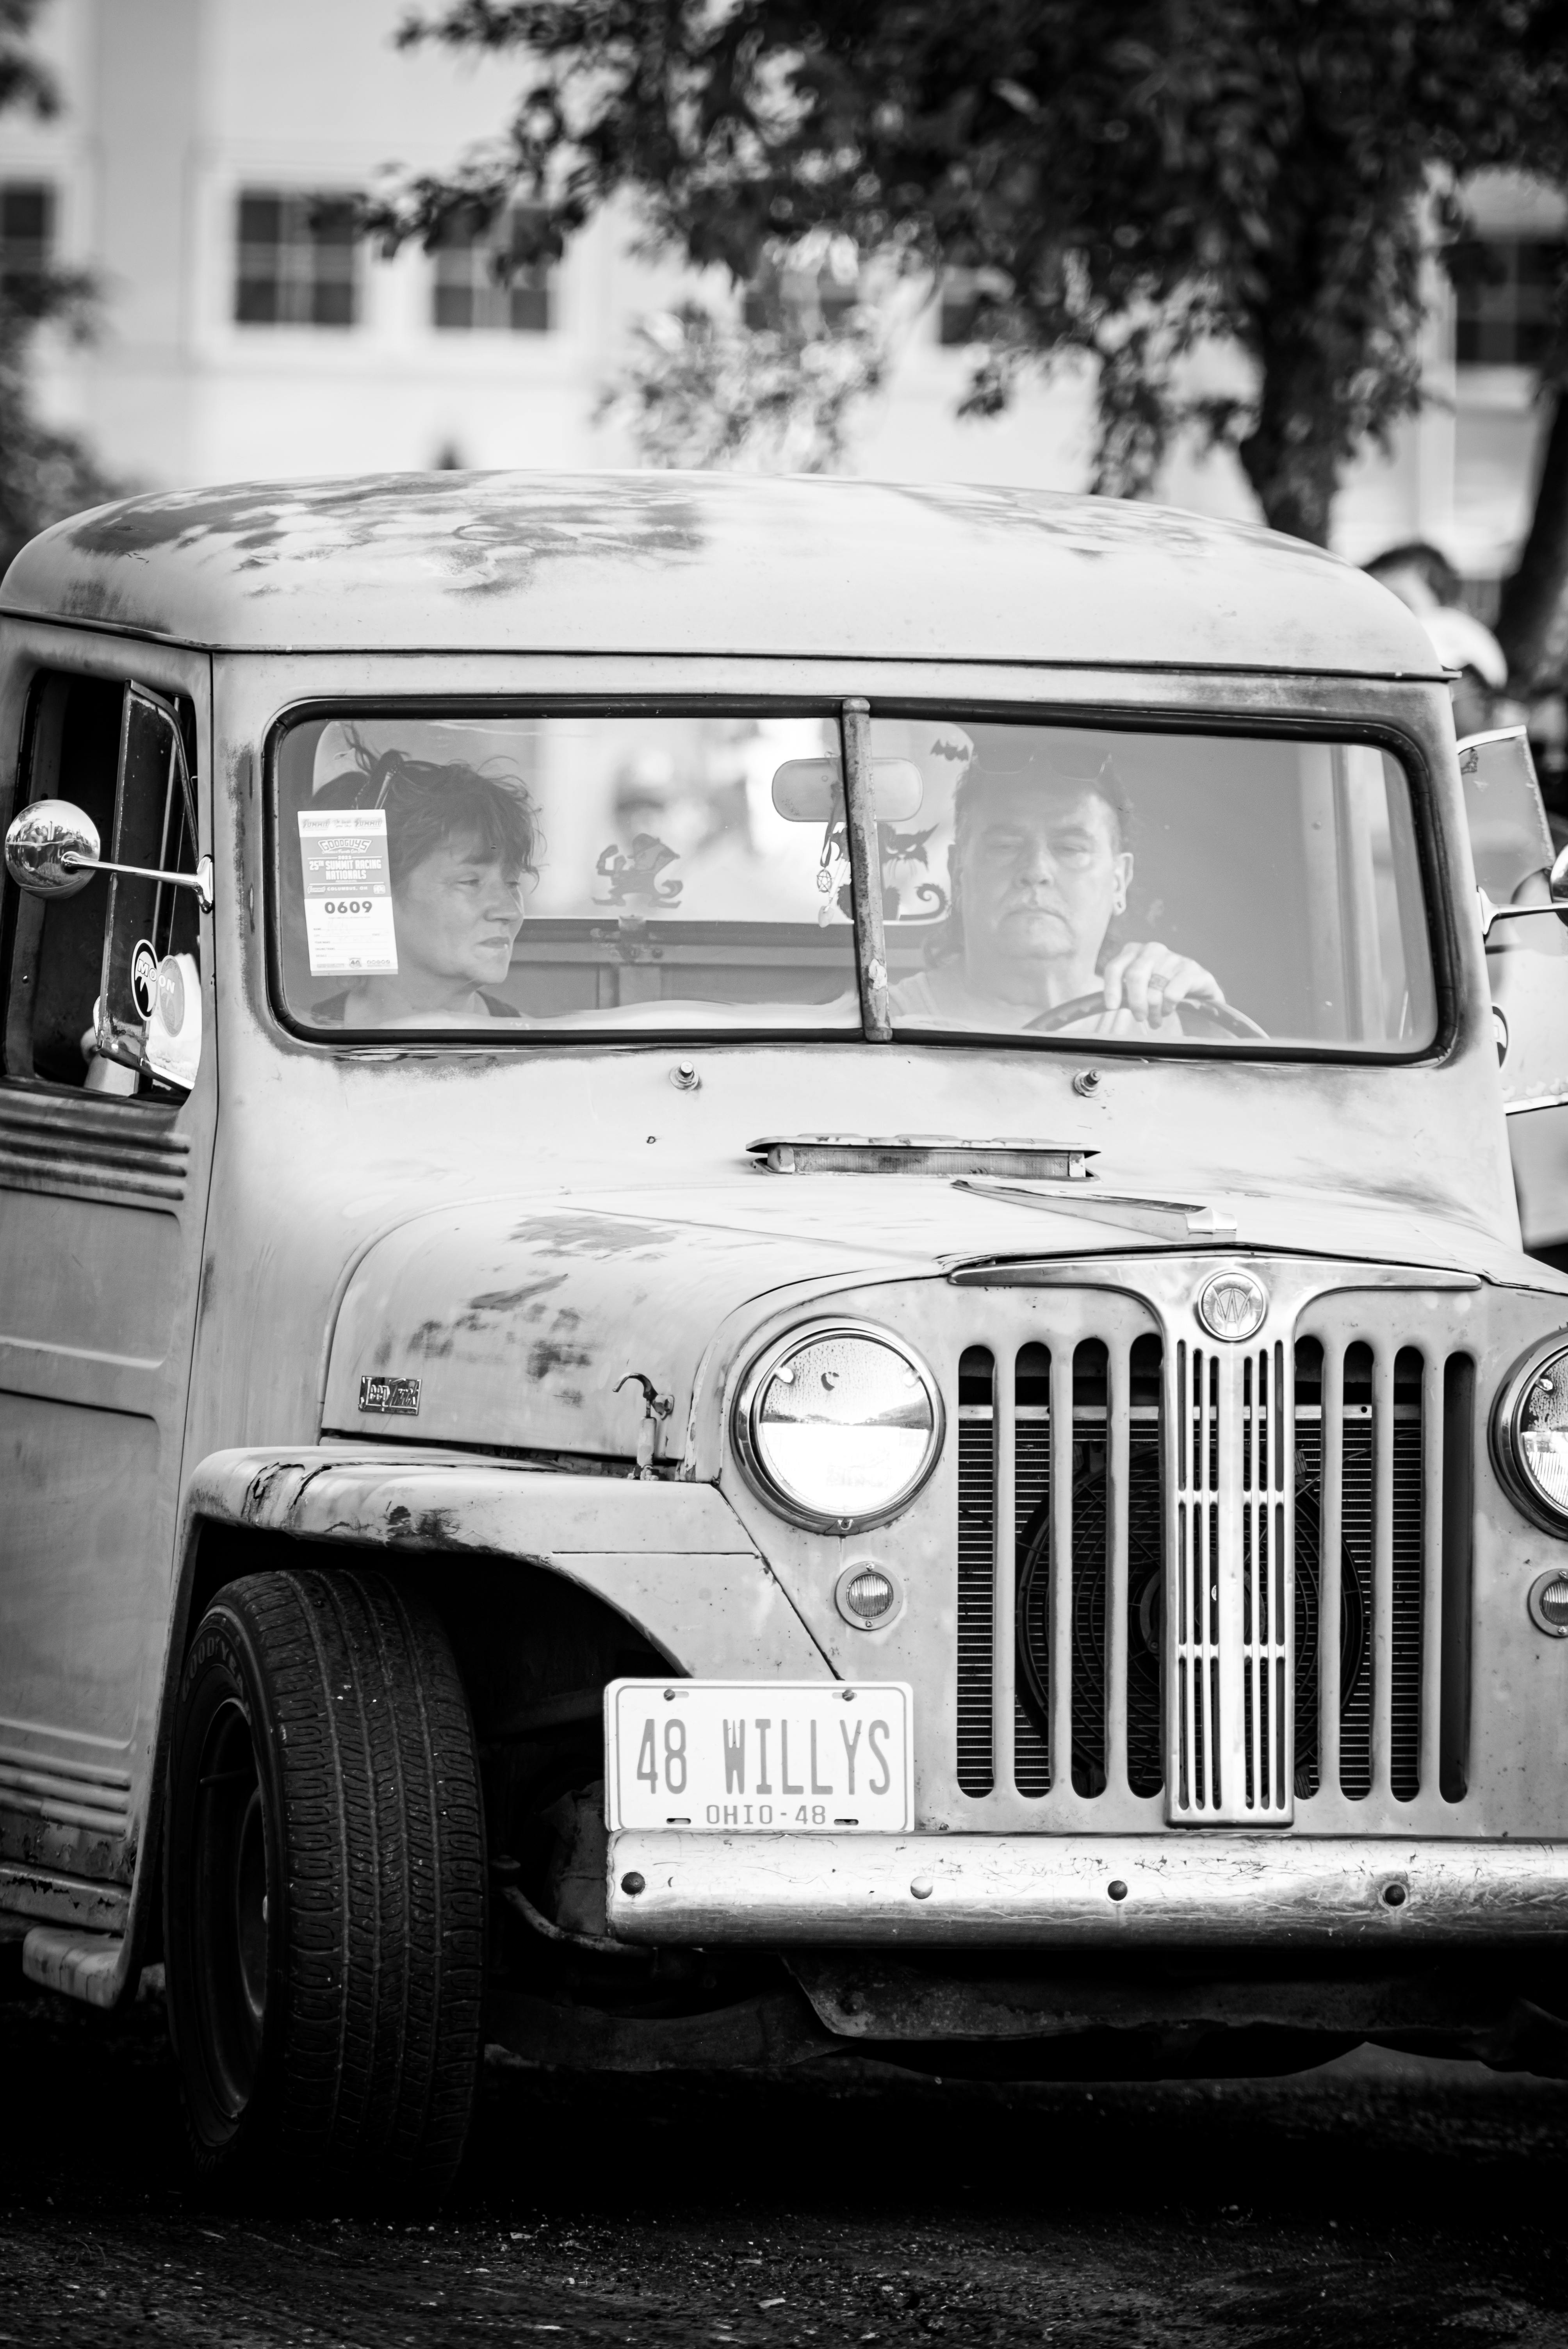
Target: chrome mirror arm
(1556, 903)
(201, 880)
(1490, 914)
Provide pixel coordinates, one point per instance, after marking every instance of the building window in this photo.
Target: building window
(967, 306)
(482, 283)
(297, 260)
(816, 299)
(958, 308)
(1506, 292)
(26, 238)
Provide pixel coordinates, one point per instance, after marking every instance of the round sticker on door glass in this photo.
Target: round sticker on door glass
(171, 995)
(144, 977)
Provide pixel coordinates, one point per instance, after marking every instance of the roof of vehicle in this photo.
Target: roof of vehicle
(694, 562)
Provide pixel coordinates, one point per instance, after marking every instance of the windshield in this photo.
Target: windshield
(565, 871)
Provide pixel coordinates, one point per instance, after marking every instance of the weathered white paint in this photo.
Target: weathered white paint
(744, 564)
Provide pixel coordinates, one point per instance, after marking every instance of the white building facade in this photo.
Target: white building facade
(244, 335)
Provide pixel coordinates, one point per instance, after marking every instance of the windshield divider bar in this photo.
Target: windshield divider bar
(865, 871)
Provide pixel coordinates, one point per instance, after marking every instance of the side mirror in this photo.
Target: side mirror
(1557, 885)
(812, 791)
(52, 849)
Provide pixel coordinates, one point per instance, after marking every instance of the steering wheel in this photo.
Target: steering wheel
(1221, 1019)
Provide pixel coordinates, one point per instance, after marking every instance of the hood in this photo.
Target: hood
(525, 1322)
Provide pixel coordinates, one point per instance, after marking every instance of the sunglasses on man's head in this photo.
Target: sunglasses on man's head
(1058, 759)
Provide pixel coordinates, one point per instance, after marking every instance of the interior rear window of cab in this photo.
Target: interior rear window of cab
(555, 873)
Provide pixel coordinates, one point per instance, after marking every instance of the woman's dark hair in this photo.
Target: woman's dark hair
(430, 802)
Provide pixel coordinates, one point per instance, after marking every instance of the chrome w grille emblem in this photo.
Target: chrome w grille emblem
(1233, 1305)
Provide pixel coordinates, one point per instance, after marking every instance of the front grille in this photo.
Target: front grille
(1199, 1645)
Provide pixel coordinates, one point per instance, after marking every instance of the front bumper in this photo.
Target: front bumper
(996, 1891)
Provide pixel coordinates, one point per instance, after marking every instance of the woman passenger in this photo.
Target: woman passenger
(460, 845)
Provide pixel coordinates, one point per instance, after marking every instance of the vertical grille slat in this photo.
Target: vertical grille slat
(1354, 1450)
(1382, 1453)
(1330, 1581)
(1456, 1515)
(1061, 1546)
(1005, 1554)
(1119, 1428)
(1434, 1443)
(1406, 1558)
(1089, 1554)
(976, 1519)
(1031, 1486)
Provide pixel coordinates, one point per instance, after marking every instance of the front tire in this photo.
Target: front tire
(325, 1886)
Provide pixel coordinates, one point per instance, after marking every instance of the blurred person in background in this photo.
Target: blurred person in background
(1426, 584)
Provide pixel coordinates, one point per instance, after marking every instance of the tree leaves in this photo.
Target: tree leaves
(1137, 178)
(44, 474)
(697, 391)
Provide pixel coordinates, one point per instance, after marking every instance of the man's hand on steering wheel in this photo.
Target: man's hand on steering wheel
(1140, 988)
(1147, 981)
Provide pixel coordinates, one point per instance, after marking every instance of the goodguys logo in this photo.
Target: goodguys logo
(391, 1395)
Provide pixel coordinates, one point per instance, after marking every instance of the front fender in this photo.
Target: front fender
(673, 1559)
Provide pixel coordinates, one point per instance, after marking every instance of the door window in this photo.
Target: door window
(72, 1015)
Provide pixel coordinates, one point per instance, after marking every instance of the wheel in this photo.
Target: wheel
(1220, 1018)
(325, 1886)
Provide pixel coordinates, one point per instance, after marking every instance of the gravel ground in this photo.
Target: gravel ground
(1381, 2201)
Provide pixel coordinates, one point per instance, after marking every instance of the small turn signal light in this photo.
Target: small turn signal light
(1549, 1603)
(866, 1596)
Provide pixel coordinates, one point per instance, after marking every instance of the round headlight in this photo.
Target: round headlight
(838, 1427)
(1530, 1437)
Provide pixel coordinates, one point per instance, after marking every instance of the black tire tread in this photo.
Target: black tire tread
(383, 1839)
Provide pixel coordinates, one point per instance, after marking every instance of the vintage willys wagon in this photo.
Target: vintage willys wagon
(761, 1292)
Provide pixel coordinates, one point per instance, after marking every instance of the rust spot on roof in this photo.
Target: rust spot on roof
(478, 534)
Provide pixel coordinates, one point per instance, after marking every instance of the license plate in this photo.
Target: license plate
(733, 1755)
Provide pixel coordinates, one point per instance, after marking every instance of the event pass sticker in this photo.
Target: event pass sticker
(347, 892)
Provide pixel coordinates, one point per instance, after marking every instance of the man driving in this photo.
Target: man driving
(1041, 869)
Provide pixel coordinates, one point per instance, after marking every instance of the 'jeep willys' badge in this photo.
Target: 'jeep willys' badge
(391, 1395)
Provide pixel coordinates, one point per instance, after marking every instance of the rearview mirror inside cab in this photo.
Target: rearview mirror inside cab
(812, 791)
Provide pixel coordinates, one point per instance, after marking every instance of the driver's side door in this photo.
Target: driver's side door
(103, 1188)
